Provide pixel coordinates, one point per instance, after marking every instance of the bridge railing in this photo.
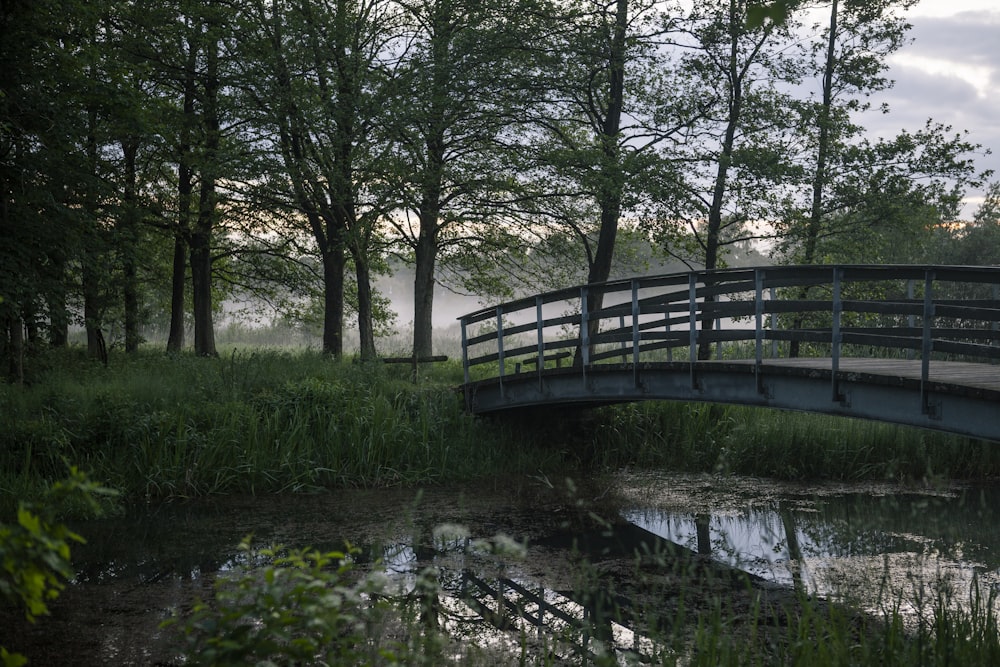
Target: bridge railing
(832, 311)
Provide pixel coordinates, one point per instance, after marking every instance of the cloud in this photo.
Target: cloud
(949, 73)
(967, 38)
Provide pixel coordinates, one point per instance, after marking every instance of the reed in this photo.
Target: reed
(786, 445)
(256, 420)
(250, 421)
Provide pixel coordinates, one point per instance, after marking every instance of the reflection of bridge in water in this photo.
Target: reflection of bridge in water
(914, 345)
(596, 612)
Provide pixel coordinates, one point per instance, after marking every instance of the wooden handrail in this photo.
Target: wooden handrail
(932, 309)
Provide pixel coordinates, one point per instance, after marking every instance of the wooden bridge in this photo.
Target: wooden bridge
(914, 345)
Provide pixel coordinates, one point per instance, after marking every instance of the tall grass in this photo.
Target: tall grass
(154, 425)
(252, 421)
(788, 445)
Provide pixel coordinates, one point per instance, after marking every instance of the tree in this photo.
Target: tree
(738, 166)
(51, 190)
(310, 74)
(890, 195)
(735, 157)
(850, 63)
(454, 94)
(604, 108)
(975, 242)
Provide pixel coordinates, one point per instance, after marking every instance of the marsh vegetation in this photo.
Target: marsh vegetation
(165, 430)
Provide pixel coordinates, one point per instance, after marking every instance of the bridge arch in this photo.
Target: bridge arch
(914, 345)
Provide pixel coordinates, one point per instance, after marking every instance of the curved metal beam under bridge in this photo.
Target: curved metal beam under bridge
(913, 345)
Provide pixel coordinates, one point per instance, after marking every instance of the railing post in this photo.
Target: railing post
(584, 330)
(758, 279)
(835, 337)
(500, 357)
(995, 324)
(465, 351)
(927, 342)
(774, 324)
(635, 332)
(666, 316)
(718, 343)
(693, 322)
(539, 326)
(623, 345)
(911, 319)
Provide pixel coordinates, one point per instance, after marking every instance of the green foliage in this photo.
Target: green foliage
(784, 445)
(252, 422)
(777, 12)
(35, 552)
(302, 607)
(976, 242)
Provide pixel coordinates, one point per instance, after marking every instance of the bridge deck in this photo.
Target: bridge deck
(954, 376)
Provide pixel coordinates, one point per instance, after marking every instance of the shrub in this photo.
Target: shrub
(303, 607)
(35, 553)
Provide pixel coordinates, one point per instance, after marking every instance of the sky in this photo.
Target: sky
(950, 73)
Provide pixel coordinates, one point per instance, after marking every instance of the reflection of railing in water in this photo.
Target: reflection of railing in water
(903, 315)
(606, 618)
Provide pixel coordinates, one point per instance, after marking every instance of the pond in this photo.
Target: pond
(699, 538)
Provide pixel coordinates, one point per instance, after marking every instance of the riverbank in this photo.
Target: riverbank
(155, 426)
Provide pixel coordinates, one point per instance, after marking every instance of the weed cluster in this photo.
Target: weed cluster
(157, 426)
(694, 437)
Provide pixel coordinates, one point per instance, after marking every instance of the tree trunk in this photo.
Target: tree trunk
(131, 305)
(55, 299)
(128, 248)
(819, 177)
(96, 346)
(175, 340)
(610, 196)
(15, 348)
(201, 238)
(29, 315)
(423, 294)
(91, 256)
(201, 293)
(366, 329)
(185, 190)
(714, 231)
(334, 264)
(442, 33)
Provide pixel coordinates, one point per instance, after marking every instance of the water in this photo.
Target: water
(867, 543)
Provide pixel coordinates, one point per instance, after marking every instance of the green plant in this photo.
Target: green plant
(302, 607)
(35, 552)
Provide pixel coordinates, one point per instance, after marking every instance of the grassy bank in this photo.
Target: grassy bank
(155, 426)
(266, 421)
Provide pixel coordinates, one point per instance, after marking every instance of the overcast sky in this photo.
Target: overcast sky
(950, 73)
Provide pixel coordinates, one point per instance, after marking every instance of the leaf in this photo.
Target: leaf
(11, 659)
(29, 521)
(776, 11)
